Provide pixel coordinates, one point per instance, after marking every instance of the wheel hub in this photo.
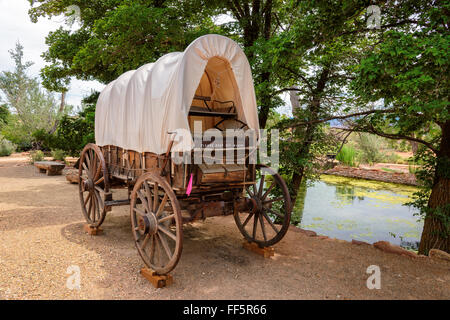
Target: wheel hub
(88, 184)
(147, 224)
(256, 205)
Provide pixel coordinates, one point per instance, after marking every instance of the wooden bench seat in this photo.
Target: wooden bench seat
(52, 168)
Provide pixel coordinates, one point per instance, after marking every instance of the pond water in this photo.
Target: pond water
(369, 211)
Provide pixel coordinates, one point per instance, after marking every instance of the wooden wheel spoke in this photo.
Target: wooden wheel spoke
(167, 232)
(167, 218)
(255, 225)
(143, 200)
(248, 190)
(98, 172)
(248, 219)
(149, 195)
(90, 206)
(273, 200)
(93, 158)
(87, 170)
(152, 248)
(88, 161)
(161, 205)
(261, 186)
(139, 211)
(94, 206)
(268, 190)
(100, 180)
(87, 198)
(275, 212)
(165, 245)
(144, 243)
(159, 249)
(155, 196)
(263, 229)
(270, 222)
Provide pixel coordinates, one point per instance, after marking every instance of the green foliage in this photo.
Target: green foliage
(4, 115)
(6, 147)
(117, 36)
(74, 133)
(370, 146)
(34, 108)
(348, 156)
(58, 155)
(36, 155)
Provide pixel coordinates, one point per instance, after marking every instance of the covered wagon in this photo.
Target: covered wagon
(139, 120)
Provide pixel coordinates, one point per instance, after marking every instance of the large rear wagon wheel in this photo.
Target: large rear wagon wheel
(269, 215)
(156, 223)
(93, 184)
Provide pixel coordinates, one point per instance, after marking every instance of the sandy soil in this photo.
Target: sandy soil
(41, 236)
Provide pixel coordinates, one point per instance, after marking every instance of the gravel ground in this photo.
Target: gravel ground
(41, 236)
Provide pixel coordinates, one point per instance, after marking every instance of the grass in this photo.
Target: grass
(347, 156)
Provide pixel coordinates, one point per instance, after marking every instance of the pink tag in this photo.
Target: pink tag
(189, 187)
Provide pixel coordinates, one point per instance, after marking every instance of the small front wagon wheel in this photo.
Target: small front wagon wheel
(156, 223)
(269, 215)
(93, 184)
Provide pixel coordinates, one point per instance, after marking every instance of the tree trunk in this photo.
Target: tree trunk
(436, 229)
(414, 145)
(60, 111)
(313, 110)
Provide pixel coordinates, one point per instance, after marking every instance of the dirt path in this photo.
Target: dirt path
(41, 236)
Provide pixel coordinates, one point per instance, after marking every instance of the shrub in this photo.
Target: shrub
(391, 158)
(6, 147)
(58, 154)
(37, 155)
(370, 146)
(347, 156)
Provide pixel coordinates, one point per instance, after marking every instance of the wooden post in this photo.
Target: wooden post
(158, 281)
(266, 252)
(93, 231)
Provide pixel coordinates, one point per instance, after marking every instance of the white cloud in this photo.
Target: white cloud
(15, 25)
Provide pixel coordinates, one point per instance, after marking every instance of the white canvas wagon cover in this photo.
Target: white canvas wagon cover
(139, 109)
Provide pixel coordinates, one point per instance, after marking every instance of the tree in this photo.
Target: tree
(32, 108)
(408, 71)
(116, 36)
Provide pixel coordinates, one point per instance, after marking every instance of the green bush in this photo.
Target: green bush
(347, 156)
(58, 154)
(6, 147)
(391, 158)
(370, 146)
(37, 155)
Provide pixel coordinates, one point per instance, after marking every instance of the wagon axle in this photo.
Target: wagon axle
(148, 224)
(88, 184)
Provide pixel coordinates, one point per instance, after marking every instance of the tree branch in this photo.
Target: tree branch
(363, 113)
(371, 129)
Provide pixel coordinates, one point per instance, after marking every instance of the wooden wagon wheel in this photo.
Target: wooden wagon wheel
(269, 216)
(156, 222)
(93, 183)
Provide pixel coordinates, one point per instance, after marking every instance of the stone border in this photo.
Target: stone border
(373, 174)
(385, 246)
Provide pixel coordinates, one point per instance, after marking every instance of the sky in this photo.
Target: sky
(15, 25)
